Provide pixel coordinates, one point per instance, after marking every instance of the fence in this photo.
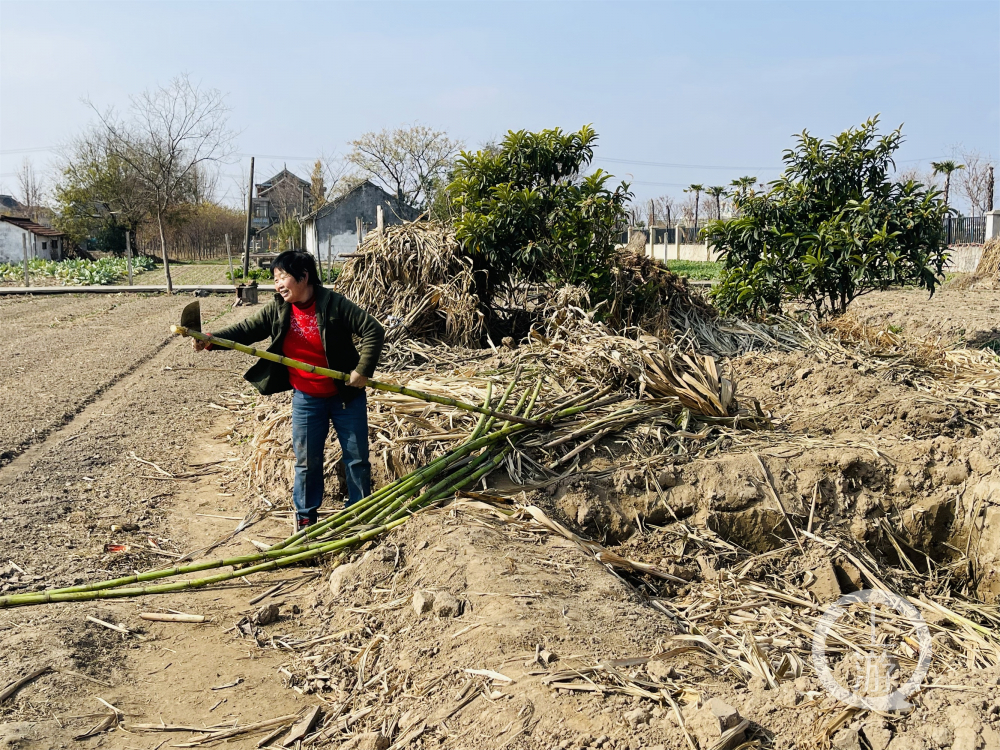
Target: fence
(188, 251)
(688, 235)
(965, 230)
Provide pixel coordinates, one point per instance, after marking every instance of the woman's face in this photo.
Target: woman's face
(291, 289)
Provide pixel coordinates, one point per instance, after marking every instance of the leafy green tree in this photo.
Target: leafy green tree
(99, 196)
(832, 227)
(946, 167)
(525, 209)
(288, 234)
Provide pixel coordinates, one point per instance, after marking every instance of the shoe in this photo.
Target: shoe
(304, 523)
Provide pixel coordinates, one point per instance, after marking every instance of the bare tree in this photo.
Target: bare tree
(172, 132)
(407, 161)
(916, 174)
(975, 180)
(664, 207)
(30, 189)
(663, 211)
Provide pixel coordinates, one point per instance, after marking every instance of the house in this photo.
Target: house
(284, 195)
(41, 242)
(336, 228)
(11, 205)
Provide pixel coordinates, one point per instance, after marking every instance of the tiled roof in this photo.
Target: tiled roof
(31, 226)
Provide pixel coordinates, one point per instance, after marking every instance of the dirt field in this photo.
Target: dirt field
(116, 456)
(954, 314)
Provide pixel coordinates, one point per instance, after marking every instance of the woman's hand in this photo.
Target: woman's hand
(201, 345)
(357, 380)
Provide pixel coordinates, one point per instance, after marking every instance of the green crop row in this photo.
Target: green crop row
(76, 272)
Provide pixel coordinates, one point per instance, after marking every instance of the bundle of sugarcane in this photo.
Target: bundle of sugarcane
(373, 516)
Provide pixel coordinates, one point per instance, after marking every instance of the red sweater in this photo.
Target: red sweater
(303, 342)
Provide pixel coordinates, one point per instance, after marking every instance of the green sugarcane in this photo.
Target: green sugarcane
(337, 375)
(274, 552)
(413, 480)
(400, 513)
(48, 597)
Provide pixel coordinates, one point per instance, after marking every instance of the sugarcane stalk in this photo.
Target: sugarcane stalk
(361, 510)
(405, 489)
(337, 375)
(48, 597)
(390, 508)
(113, 590)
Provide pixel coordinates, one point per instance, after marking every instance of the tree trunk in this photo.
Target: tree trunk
(947, 184)
(696, 197)
(163, 252)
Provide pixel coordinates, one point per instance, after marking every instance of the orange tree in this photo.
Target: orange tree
(832, 227)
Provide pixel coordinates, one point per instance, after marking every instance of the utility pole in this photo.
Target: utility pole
(24, 245)
(128, 254)
(652, 232)
(319, 256)
(246, 249)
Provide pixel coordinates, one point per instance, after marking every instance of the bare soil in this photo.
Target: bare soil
(91, 438)
(953, 313)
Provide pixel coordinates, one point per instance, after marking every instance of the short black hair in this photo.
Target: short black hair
(297, 263)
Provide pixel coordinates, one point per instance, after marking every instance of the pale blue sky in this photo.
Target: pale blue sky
(712, 84)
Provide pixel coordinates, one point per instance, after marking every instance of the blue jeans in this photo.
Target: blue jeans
(311, 418)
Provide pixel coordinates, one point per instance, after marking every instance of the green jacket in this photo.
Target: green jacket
(338, 318)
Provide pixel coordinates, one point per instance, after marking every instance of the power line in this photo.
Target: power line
(678, 166)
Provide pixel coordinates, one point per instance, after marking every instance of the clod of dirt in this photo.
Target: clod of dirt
(847, 738)
(339, 576)
(366, 741)
(423, 602)
(637, 716)
(825, 586)
(661, 671)
(877, 733)
(711, 721)
(446, 605)
(267, 615)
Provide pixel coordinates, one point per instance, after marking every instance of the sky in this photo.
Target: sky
(679, 92)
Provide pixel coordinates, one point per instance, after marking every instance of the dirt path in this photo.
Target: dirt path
(61, 498)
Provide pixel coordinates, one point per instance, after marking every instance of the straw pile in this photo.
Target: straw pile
(988, 269)
(962, 377)
(413, 278)
(653, 400)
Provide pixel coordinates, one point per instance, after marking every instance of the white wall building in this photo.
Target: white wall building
(41, 242)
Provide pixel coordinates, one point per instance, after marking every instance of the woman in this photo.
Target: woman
(315, 325)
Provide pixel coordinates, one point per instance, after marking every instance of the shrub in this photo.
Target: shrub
(525, 210)
(832, 227)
